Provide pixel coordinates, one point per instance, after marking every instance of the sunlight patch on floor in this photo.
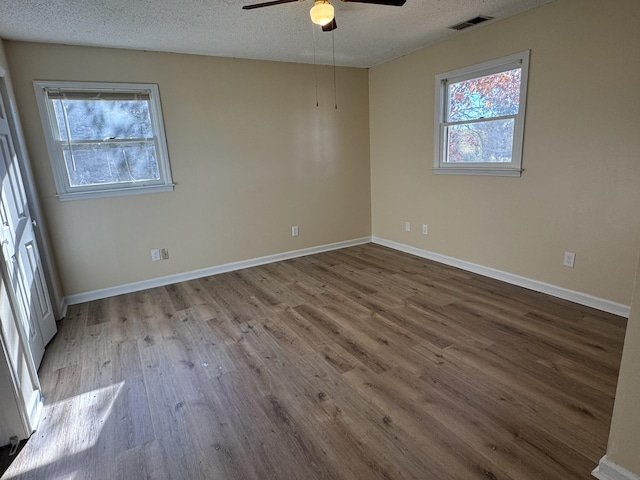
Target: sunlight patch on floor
(68, 428)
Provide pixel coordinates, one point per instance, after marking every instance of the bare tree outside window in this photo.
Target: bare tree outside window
(104, 139)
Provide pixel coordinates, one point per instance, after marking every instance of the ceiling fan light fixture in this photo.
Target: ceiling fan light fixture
(321, 12)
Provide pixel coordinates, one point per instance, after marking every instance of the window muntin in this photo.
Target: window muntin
(480, 118)
(104, 139)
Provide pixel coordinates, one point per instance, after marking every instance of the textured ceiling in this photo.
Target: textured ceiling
(367, 35)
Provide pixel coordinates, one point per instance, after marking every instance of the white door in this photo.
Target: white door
(19, 248)
(20, 399)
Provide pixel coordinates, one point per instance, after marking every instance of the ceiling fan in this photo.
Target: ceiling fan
(322, 11)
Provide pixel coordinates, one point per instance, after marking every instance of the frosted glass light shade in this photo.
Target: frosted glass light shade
(321, 12)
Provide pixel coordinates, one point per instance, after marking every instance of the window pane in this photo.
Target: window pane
(482, 142)
(484, 97)
(98, 164)
(101, 119)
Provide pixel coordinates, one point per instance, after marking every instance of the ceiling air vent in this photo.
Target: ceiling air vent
(471, 22)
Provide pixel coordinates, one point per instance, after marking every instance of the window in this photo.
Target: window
(104, 139)
(479, 122)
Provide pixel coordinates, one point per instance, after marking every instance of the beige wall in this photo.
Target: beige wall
(624, 439)
(250, 152)
(3, 57)
(580, 190)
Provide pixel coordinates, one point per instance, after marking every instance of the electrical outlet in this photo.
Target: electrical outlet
(164, 253)
(425, 229)
(155, 255)
(407, 226)
(294, 231)
(569, 259)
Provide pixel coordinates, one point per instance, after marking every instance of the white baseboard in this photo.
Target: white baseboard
(62, 308)
(205, 272)
(607, 470)
(566, 294)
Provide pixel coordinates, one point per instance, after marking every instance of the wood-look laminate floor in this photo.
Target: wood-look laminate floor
(362, 363)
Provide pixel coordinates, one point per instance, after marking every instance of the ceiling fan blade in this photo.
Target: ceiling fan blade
(267, 4)
(332, 25)
(392, 3)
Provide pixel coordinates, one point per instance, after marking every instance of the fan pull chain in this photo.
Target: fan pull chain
(333, 47)
(315, 64)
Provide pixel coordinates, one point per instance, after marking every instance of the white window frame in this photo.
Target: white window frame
(63, 187)
(510, 169)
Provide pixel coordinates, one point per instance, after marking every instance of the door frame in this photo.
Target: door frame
(16, 355)
(58, 302)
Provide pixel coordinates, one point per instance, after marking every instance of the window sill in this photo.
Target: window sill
(116, 192)
(492, 171)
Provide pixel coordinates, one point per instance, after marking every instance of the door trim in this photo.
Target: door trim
(50, 270)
